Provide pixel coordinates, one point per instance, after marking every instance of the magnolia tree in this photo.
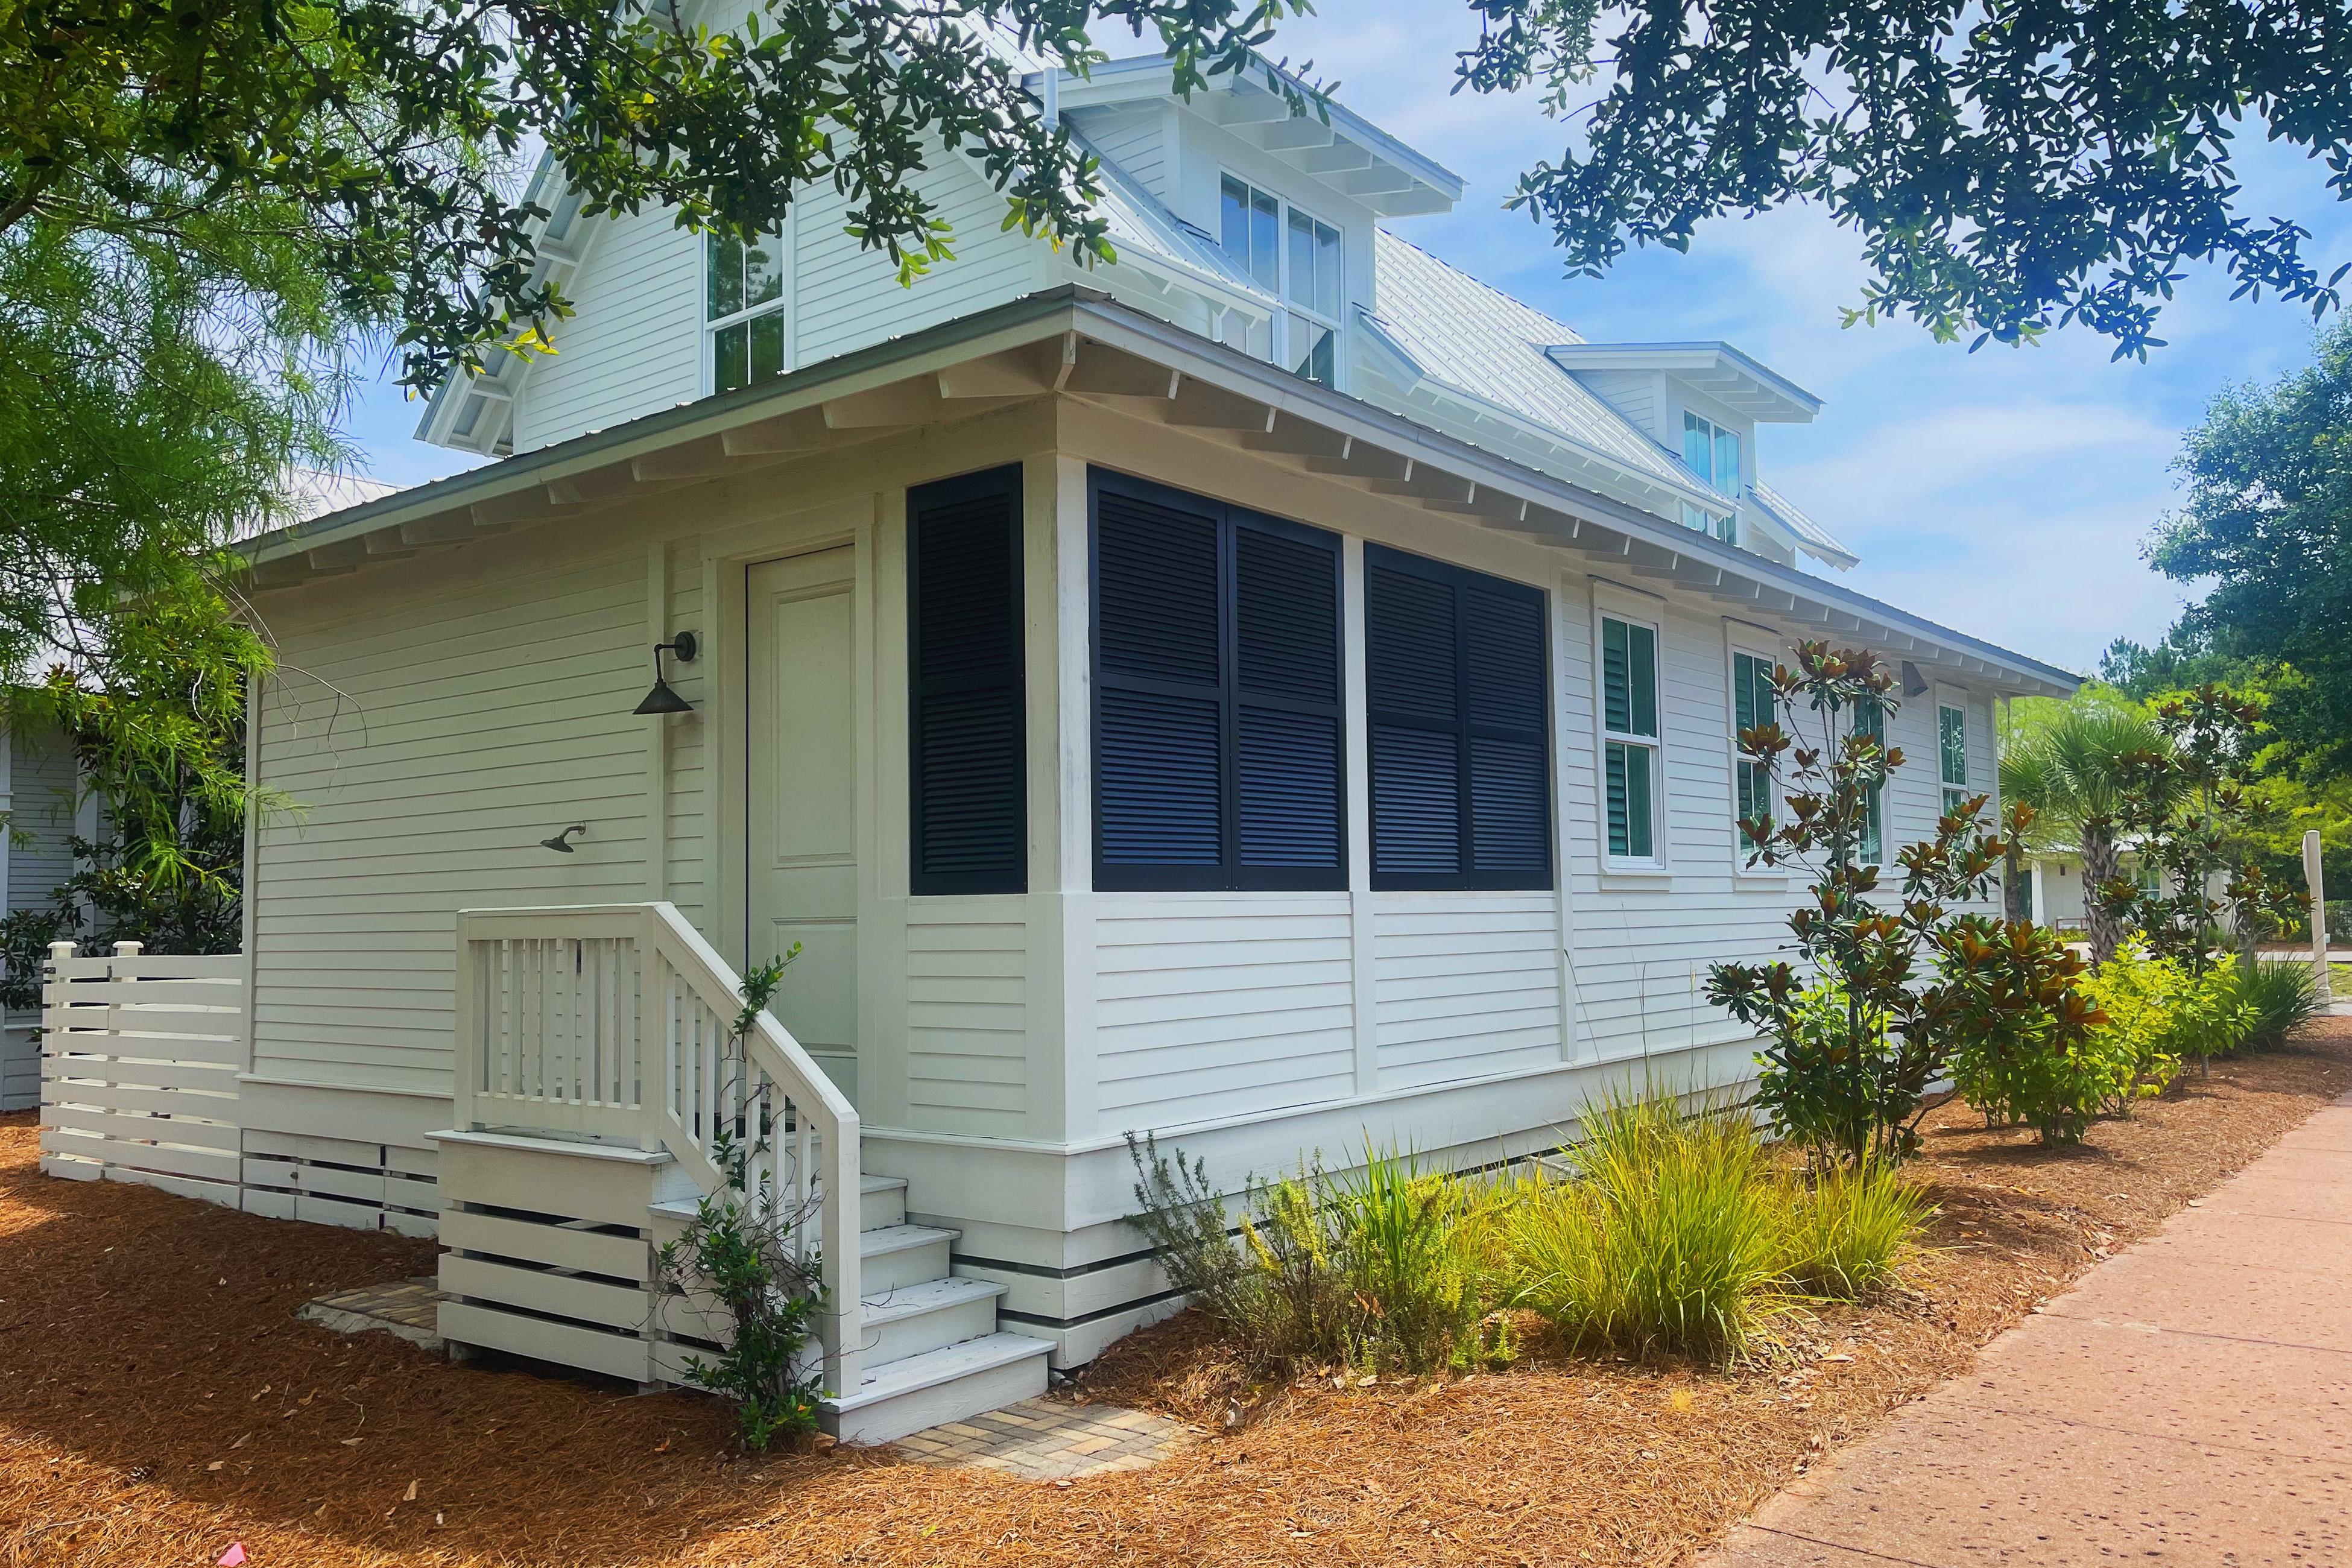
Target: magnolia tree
(2189, 810)
(1891, 976)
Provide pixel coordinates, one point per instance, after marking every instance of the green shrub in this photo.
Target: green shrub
(1671, 1237)
(2147, 1028)
(1850, 1228)
(1375, 1269)
(2212, 1017)
(2278, 996)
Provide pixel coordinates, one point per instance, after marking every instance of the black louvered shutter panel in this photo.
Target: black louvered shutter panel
(1159, 793)
(1412, 692)
(1511, 800)
(967, 745)
(1289, 812)
(1457, 690)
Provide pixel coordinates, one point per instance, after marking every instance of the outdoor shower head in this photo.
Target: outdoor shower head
(561, 842)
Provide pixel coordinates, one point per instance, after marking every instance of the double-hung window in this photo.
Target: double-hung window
(1454, 699)
(1870, 718)
(1712, 453)
(1628, 740)
(1753, 704)
(1294, 256)
(1952, 755)
(1218, 748)
(744, 309)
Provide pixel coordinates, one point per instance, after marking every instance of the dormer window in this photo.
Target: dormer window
(1294, 255)
(1712, 453)
(744, 309)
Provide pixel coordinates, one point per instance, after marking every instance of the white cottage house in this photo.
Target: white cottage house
(1276, 692)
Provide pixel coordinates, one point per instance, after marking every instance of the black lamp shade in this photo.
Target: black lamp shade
(662, 699)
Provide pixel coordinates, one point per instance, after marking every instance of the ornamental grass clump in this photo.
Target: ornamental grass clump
(1377, 1269)
(1850, 1229)
(2277, 997)
(1670, 1237)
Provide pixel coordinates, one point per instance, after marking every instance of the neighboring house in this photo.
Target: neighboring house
(1275, 693)
(42, 806)
(2054, 879)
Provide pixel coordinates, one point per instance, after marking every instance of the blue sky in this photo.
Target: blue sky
(2006, 492)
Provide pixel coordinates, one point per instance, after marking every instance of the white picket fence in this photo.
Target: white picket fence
(139, 1061)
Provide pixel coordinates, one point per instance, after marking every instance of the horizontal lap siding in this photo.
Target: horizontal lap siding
(968, 1022)
(1643, 950)
(689, 851)
(1463, 985)
(1135, 139)
(428, 742)
(849, 297)
(1204, 1010)
(634, 345)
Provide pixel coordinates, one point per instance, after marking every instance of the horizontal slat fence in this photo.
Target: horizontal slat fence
(139, 1061)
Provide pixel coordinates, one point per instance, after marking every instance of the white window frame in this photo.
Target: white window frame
(1738, 637)
(786, 303)
(1279, 327)
(1953, 698)
(1634, 607)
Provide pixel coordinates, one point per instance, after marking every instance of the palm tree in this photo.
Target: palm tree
(2073, 775)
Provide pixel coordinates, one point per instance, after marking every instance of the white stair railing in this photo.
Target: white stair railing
(615, 1022)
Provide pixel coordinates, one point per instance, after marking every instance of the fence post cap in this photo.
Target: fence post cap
(61, 950)
(129, 949)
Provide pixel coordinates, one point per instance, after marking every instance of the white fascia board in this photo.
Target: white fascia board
(1778, 399)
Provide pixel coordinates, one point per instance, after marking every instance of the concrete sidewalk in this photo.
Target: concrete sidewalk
(2190, 1401)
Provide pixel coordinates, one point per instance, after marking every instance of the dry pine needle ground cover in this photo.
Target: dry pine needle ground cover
(159, 1400)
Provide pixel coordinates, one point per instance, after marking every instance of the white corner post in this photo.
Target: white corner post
(2311, 879)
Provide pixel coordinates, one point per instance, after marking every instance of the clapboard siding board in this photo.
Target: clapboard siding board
(1643, 947)
(1175, 1044)
(433, 742)
(635, 345)
(968, 1017)
(1136, 139)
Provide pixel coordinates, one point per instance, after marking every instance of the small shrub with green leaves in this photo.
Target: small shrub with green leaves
(744, 1259)
(2011, 1003)
(2144, 1000)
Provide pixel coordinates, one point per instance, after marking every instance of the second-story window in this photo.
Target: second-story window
(1712, 453)
(1952, 755)
(1294, 255)
(744, 309)
(1870, 718)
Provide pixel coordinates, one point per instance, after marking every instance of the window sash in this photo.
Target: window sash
(744, 309)
(1629, 678)
(1754, 703)
(1629, 729)
(1632, 776)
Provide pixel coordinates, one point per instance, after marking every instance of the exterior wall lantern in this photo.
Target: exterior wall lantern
(662, 699)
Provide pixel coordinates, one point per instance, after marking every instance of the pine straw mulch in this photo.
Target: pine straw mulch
(159, 1400)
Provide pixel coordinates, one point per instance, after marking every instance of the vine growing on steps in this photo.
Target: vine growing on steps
(744, 1258)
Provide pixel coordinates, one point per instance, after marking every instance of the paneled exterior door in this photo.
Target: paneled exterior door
(803, 798)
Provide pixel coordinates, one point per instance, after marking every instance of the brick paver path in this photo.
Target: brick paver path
(2188, 1403)
(1045, 1441)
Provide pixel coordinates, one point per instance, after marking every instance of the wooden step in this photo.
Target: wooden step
(896, 1255)
(915, 1319)
(882, 1202)
(944, 1384)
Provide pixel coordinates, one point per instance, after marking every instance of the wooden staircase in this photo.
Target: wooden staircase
(599, 1092)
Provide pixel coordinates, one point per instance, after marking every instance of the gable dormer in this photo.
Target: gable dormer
(1702, 402)
(1293, 200)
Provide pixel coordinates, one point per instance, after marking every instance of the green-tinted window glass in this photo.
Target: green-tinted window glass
(1628, 676)
(743, 301)
(1752, 700)
(1631, 834)
(1870, 718)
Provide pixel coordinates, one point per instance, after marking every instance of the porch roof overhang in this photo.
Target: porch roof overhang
(1073, 341)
